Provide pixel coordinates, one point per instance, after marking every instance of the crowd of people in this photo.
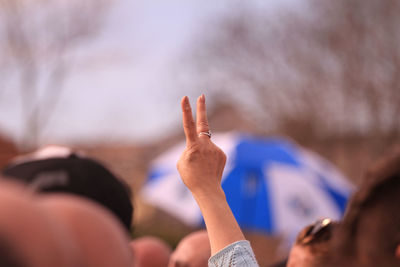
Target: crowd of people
(61, 208)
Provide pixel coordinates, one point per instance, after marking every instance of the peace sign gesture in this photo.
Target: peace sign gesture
(200, 166)
(202, 162)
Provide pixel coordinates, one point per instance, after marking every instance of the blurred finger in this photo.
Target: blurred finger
(188, 121)
(202, 122)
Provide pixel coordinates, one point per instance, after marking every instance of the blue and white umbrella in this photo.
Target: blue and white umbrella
(272, 185)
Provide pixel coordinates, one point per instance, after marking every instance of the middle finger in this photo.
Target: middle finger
(201, 117)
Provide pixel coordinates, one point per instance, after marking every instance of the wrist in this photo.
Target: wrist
(215, 195)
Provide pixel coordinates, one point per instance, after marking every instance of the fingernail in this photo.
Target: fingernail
(186, 102)
(202, 97)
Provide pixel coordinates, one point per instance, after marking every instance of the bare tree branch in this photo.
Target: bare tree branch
(329, 71)
(36, 40)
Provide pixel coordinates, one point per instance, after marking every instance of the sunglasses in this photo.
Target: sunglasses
(318, 231)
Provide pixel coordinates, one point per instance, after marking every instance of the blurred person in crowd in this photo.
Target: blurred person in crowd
(369, 234)
(313, 245)
(192, 251)
(150, 251)
(60, 169)
(29, 236)
(282, 263)
(200, 166)
(100, 237)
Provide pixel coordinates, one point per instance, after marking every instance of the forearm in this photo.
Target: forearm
(222, 227)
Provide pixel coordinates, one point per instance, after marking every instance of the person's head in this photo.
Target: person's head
(150, 251)
(192, 251)
(370, 232)
(313, 245)
(29, 236)
(100, 237)
(60, 169)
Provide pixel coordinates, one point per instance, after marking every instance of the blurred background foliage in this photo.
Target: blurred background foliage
(325, 74)
(37, 41)
(329, 70)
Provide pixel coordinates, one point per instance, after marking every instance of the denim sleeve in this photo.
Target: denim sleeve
(239, 253)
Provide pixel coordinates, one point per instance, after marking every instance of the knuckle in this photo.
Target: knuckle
(192, 155)
(203, 123)
(188, 123)
(187, 126)
(223, 156)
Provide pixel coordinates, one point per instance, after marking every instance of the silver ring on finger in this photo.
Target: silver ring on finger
(208, 133)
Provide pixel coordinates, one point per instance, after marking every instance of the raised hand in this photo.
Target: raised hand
(201, 166)
(202, 162)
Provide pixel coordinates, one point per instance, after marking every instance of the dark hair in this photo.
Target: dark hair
(371, 226)
(318, 232)
(316, 239)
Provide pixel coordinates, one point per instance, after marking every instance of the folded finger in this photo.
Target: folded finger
(189, 126)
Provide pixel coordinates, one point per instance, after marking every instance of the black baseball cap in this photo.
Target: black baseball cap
(75, 174)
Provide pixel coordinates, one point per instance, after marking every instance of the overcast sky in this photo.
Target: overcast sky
(121, 89)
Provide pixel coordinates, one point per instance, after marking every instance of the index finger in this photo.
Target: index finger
(188, 123)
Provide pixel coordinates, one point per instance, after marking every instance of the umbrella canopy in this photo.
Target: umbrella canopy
(272, 185)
